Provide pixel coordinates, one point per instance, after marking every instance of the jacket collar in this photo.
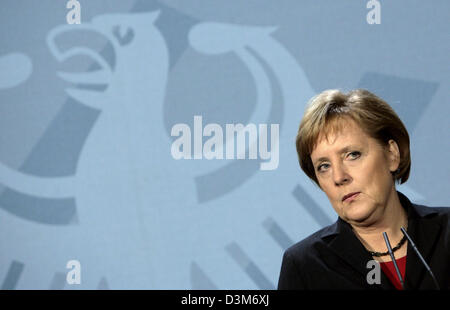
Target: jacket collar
(423, 228)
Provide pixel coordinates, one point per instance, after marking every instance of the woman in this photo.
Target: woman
(355, 147)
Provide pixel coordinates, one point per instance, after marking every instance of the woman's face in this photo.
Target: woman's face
(350, 161)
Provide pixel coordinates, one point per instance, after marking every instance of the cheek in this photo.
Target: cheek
(374, 180)
(334, 197)
(333, 194)
(371, 169)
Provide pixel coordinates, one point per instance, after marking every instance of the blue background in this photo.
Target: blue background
(89, 175)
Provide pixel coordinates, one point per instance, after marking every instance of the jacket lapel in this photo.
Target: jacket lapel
(424, 233)
(342, 241)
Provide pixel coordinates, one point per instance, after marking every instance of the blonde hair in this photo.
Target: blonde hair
(374, 116)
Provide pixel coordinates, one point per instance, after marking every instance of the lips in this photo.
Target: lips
(349, 195)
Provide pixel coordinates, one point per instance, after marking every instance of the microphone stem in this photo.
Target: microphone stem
(416, 250)
(388, 244)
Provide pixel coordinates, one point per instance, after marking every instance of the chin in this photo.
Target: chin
(359, 214)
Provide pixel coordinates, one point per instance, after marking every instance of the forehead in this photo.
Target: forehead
(339, 135)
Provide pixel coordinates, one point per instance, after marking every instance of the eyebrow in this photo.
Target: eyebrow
(343, 150)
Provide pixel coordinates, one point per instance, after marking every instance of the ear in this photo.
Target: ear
(393, 155)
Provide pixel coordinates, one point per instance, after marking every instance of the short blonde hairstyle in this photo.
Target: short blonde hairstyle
(374, 116)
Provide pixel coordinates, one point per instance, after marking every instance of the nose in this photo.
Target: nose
(340, 175)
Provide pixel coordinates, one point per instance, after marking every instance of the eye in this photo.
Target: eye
(123, 34)
(321, 167)
(354, 155)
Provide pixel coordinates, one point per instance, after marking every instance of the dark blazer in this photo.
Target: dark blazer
(334, 258)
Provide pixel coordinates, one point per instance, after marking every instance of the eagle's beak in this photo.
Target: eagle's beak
(99, 77)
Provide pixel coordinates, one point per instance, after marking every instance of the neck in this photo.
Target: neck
(389, 219)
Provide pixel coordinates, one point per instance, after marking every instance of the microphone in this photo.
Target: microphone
(420, 256)
(388, 244)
